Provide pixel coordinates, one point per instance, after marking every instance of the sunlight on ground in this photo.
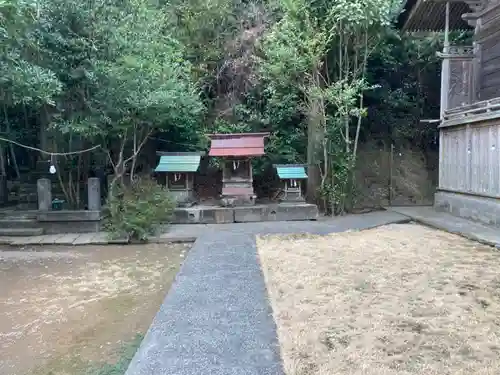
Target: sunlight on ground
(65, 310)
(399, 299)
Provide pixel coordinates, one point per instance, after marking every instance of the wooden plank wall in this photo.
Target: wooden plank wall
(490, 69)
(469, 159)
(488, 38)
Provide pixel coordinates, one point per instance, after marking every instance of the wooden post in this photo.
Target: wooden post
(445, 64)
(250, 172)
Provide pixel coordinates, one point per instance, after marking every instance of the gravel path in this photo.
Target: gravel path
(216, 319)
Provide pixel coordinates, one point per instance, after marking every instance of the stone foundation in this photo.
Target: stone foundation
(224, 215)
(203, 215)
(473, 207)
(55, 222)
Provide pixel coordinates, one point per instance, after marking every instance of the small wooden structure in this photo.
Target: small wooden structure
(292, 175)
(179, 169)
(469, 125)
(236, 151)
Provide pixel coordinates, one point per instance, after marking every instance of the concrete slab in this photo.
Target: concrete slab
(21, 232)
(297, 212)
(246, 214)
(31, 240)
(50, 239)
(276, 212)
(253, 214)
(100, 238)
(166, 238)
(6, 240)
(203, 215)
(84, 239)
(453, 224)
(67, 239)
(476, 208)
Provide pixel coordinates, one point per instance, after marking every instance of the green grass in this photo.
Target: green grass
(120, 366)
(77, 366)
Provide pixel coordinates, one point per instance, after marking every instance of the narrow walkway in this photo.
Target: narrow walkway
(68, 239)
(328, 225)
(449, 223)
(216, 319)
(190, 232)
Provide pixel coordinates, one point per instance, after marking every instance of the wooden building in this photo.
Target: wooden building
(469, 126)
(177, 170)
(235, 152)
(292, 176)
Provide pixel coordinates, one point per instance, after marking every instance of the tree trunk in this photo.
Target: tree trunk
(10, 146)
(14, 161)
(314, 145)
(3, 170)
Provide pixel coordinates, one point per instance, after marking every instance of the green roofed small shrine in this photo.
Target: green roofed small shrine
(179, 169)
(292, 175)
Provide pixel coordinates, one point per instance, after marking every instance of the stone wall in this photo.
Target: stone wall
(473, 207)
(259, 213)
(55, 222)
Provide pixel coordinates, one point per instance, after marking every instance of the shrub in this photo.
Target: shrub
(138, 210)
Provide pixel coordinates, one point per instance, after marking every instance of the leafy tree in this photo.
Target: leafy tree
(321, 76)
(324, 48)
(130, 77)
(23, 81)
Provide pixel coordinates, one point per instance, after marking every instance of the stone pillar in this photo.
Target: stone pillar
(94, 194)
(44, 189)
(4, 192)
(445, 82)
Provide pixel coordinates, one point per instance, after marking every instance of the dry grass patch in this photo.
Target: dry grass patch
(74, 310)
(399, 299)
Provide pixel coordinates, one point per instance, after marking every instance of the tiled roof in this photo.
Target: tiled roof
(178, 162)
(429, 15)
(291, 171)
(240, 144)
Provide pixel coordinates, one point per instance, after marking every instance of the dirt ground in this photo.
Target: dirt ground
(64, 310)
(399, 299)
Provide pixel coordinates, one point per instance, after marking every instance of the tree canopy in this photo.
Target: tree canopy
(322, 76)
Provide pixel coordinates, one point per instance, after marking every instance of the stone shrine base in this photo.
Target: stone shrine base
(67, 221)
(245, 214)
(21, 223)
(15, 223)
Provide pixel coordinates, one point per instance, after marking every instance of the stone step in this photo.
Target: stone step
(20, 232)
(14, 215)
(18, 223)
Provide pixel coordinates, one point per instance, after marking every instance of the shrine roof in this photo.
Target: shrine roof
(237, 144)
(178, 162)
(430, 16)
(291, 171)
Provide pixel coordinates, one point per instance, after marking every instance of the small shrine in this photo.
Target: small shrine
(292, 175)
(236, 151)
(178, 169)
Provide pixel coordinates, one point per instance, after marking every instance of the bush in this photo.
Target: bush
(138, 210)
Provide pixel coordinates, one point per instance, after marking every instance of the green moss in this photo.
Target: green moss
(120, 366)
(76, 366)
